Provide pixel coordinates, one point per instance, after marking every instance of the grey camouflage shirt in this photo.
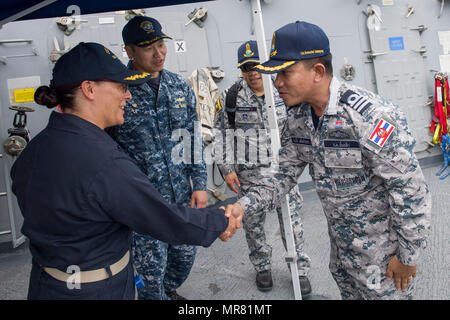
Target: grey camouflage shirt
(250, 130)
(366, 174)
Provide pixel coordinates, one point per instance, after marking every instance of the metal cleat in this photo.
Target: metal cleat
(198, 16)
(373, 55)
(422, 50)
(19, 135)
(217, 74)
(420, 28)
(410, 11)
(68, 24)
(375, 11)
(130, 14)
(347, 71)
(57, 52)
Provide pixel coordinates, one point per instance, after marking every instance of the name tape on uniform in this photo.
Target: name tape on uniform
(246, 109)
(298, 140)
(339, 144)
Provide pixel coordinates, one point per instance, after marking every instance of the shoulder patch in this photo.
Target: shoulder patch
(381, 133)
(355, 101)
(218, 106)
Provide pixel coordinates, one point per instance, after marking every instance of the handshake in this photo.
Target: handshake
(234, 213)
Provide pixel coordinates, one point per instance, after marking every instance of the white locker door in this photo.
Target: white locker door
(399, 67)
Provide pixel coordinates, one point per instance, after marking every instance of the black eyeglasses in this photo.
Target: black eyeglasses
(248, 67)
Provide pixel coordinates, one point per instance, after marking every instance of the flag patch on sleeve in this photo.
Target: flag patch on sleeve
(381, 133)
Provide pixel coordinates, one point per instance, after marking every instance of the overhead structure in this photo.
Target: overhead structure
(39, 9)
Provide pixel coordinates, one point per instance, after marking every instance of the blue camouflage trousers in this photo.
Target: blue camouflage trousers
(162, 267)
(260, 251)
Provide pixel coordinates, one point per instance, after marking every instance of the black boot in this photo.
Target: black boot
(264, 280)
(305, 285)
(173, 295)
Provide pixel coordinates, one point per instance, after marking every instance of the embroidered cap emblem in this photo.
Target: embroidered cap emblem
(248, 52)
(273, 51)
(147, 26)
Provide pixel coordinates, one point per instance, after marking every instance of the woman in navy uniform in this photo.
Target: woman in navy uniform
(81, 196)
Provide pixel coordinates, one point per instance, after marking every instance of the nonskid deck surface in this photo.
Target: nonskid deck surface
(224, 272)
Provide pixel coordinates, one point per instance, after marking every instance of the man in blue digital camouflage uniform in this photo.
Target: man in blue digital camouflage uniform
(360, 155)
(160, 107)
(246, 117)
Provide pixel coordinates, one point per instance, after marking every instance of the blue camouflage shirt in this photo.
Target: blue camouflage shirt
(158, 133)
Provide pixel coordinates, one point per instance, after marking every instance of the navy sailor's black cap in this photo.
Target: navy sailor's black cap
(293, 42)
(93, 61)
(248, 52)
(142, 31)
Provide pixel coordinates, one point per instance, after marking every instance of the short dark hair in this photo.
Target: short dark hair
(325, 60)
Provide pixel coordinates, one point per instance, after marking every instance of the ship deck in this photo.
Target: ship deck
(223, 271)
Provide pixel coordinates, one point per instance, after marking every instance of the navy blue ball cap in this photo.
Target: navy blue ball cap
(93, 61)
(142, 31)
(293, 42)
(248, 52)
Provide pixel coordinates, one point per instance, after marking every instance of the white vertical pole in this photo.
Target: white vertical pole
(291, 256)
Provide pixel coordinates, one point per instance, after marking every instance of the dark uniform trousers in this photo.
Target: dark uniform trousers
(44, 287)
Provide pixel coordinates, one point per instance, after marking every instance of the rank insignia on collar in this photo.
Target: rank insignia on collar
(381, 133)
(355, 101)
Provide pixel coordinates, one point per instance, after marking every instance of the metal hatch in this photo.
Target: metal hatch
(397, 57)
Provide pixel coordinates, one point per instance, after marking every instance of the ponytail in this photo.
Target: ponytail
(62, 95)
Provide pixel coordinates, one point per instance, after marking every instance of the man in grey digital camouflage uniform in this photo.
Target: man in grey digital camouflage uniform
(159, 108)
(361, 159)
(250, 120)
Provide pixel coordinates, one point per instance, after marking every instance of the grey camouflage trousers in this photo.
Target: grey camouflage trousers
(366, 281)
(260, 251)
